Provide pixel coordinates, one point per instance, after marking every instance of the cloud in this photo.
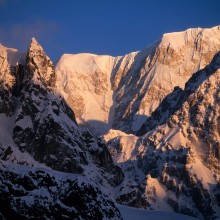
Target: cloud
(19, 35)
(2, 2)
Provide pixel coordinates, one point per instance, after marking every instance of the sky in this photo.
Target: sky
(113, 27)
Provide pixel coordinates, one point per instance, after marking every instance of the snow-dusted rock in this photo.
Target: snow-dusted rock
(175, 163)
(45, 126)
(159, 68)
(39, 136)
(33, 193)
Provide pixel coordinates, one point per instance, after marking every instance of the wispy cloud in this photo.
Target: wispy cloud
(2, 2)
(19, 35)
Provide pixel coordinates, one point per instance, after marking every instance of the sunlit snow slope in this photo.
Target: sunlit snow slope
(121, 92)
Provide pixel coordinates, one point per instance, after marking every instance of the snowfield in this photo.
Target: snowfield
(129, 213)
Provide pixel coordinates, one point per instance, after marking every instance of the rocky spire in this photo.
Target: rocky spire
(39, 66)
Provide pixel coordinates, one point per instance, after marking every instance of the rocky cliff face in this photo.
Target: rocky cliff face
(134, 84)
(40, 193)
(157, 70)
(10, 61)
(45, 126)
(175, 163)
(39, 135)
(173, 101)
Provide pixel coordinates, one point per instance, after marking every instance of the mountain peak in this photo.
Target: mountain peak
(180, 39)
(33, 39)
(39, 64)
(34, 45)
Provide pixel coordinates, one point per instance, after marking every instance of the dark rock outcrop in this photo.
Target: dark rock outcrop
(40, 194)
(44, 133)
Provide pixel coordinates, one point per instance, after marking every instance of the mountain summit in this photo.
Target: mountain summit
(122, 92)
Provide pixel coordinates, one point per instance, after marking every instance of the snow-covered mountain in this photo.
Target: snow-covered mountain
(49, 169)
(175, 164)
(157, 110)
(121, 92)
(168, 95)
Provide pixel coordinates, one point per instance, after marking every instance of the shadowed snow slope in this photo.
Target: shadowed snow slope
(129, 213)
